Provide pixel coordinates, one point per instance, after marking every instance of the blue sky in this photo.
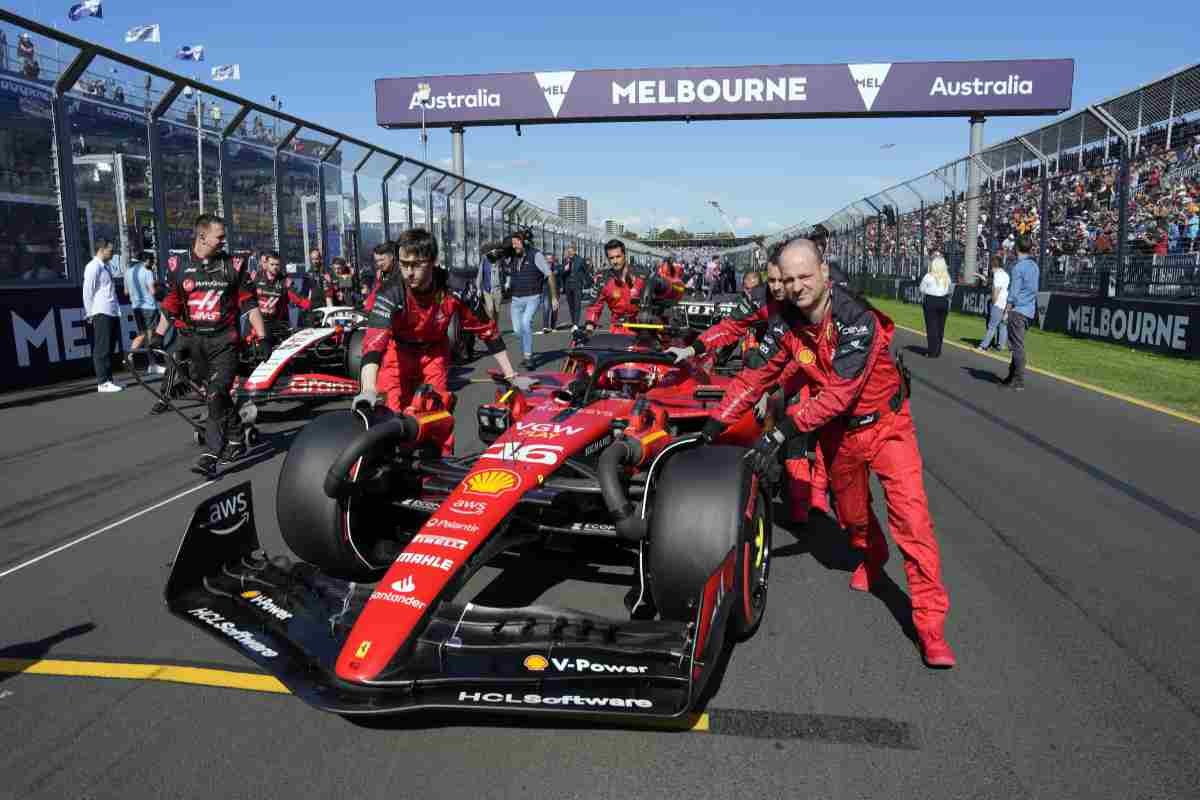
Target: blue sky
(323, 60)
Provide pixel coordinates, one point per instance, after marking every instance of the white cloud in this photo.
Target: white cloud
(773, 225)
(743, 222)
(630, 222)
(675, 222)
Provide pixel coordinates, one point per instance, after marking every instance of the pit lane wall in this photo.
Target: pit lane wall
(1157, 327)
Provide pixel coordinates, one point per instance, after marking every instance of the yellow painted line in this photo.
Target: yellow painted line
(196, 676)
(1081, 384)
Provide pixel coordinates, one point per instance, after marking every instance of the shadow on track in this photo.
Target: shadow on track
(826, 542)
(269, 446)
(820, 537)
(37, 650)
(985, 375)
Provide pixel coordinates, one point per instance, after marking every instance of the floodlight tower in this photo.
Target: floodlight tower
(724, 216)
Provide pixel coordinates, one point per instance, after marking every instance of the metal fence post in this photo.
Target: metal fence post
(157, 200)
(991, 227)
(385, 212)
(1044, 225)
(1123, 218)
(64, 167)
(323, 236)
(410, 201)
(921, 261)
(355, 240)
(225, 183)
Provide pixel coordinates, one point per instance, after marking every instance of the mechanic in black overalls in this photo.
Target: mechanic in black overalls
(206, 292)
(528, 271)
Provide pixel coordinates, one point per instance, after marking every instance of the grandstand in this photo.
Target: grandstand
(1062, 186)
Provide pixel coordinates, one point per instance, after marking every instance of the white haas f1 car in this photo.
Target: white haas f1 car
(313, 364)
(596, 470)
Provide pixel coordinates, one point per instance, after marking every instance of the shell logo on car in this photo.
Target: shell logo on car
(493, 482)
(536, 663)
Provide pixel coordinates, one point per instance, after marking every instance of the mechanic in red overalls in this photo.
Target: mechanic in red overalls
(275, 295)
(808, 482)
(622, 293)
(862, 414)
(206, 291)
(411, 312)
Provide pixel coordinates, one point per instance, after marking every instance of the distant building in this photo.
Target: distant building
(613, 228)
(573, 209)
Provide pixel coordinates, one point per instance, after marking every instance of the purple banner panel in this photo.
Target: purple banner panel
(927, 88)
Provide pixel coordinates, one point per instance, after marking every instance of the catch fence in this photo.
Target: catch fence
(95, 144)
(1109, 198)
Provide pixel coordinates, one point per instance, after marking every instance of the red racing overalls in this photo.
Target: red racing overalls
(808, 482)
(623, 298)
(414, 327)
(862, 413)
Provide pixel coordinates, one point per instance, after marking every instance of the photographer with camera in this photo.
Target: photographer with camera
(528, 271)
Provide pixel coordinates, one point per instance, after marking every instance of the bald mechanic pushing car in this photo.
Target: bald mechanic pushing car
(808, 483)
(862, 415)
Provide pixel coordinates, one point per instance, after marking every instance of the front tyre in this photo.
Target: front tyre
(339, 536)
(708, 504)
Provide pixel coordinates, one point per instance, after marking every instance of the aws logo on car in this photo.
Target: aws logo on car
(228, 513)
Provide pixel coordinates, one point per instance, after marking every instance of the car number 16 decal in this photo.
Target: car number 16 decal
(528, 453)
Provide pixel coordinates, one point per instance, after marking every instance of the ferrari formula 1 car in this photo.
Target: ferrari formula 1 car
(598, 464)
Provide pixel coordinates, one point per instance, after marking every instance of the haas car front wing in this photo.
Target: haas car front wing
(294, 621)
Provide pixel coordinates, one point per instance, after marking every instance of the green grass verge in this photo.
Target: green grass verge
(1169, 381)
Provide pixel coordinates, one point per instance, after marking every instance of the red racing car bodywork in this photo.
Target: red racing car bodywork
(597, 460)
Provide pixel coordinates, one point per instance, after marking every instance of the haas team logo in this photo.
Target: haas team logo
(188, 284)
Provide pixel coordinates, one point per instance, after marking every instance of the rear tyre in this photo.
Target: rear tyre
(706, 504)
(455, 335)
(354, 354)
(339, 536)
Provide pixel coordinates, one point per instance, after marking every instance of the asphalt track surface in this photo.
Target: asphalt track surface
(1070, 531)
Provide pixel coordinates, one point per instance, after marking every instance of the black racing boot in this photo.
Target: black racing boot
(232, 452)
(206, 465)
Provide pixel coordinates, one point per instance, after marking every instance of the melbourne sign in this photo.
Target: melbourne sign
(1145, 325)
(933, 88)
